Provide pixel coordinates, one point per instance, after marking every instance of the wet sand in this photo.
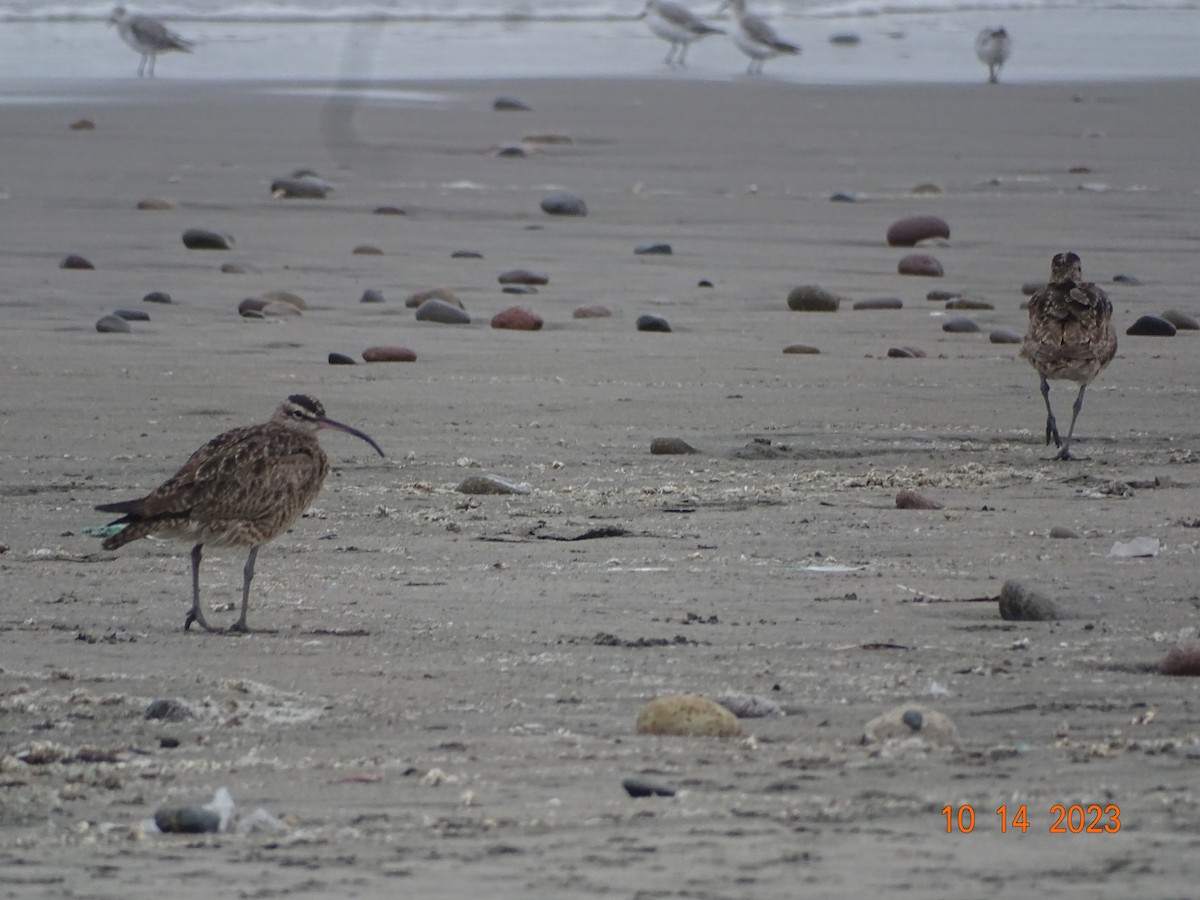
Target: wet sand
(448, 704)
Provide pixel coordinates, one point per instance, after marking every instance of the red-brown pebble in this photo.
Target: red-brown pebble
(800, 348)
(908, 232)
(83, 125)
(524, 276)
(907, 499)
(388, 354)
(1182, 659)
(517, 318)
(920, 264)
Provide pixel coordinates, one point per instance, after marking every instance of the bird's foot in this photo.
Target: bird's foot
(194, 615)
(1064, 455)
(1052, 433)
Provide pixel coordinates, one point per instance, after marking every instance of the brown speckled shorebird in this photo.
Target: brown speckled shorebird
(242, 489)
(1071, 336)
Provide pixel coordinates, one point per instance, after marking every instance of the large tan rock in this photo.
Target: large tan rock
(687, 715)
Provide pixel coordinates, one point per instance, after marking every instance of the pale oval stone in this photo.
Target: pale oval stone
(912, 723)
(687, 715)
(438, 293)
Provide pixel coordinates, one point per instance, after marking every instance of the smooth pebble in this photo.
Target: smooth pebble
(1151, 326)
(920, 264)
(438, 310)
(563, 203)
(206, 239)
(910, 231)
(648, 322)
(112, 325)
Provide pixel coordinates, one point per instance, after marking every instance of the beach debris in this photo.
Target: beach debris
(591, 312)
(523, 276)
(438, 310)
(605, 531)
(657, 248)
(366, 250)
(644, 787)
(413, 301)
(285, 297)
(968, 303)
(879, 303)
(510, 104)
(687, 715)
(388, 211)
(649, 322)
(491, 484)
(843, 197)
(670, 446)
(802, 349)
(371, 295)
(517, 318)
(749, 706)
(1138, 547)
(207, 239)
(157, 297)
(155, 204)
(170, 709)
(75, 261)
(1020, 603)
(960, 325)
(563, 203)
(911, 726)
(82, 125)
(906, 353)
(466, 254)
(1151, 326)
(132, 315)
(341, 359)
(1003, 336)
(388, 354)
(910, 499)
(518, 289)
(101, 531)
(1061, 532)
(1181, 320)
(305, 187)
(910, 231)
(214, 816)
(812, 298)
(1131, 280)
(233, 269)
(112, 325)
(1182, 659)
(920, 264)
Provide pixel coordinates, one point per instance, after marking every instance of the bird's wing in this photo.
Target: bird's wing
(682, 17)
(760, 30)
(154, 34)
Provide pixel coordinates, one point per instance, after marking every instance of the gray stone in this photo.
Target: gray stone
(187, 820)
(563, 203)
(653, 249)
(960, 325)
(879, 303)
(132, 315)
(112, 325)
(75, 262)
(1181, 320)
(341, 359)
(1151, 326)
(510, 104)
(650, 322)
(1002, 336)
(670, 446)
(436, 310)
(844, 197)
(812, 298)
(371, 295)
(1019, 603)
(206, 239)
(157, 297)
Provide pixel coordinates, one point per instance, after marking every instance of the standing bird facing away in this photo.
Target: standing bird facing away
(755, 37)
(148, 37)
(677, 24)
(992, 46)
(1071, 336)
(242, 489)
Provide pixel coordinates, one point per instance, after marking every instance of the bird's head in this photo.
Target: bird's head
(118, 16)
(1066, 267)
(300, 412)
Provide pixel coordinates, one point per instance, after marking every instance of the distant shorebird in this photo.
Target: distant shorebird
(755, 37)
(242, 489)
(677, 24)
(148, 37)
(992, 46)
(1071, 336)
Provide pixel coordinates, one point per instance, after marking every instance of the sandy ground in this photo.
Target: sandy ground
(448, 706)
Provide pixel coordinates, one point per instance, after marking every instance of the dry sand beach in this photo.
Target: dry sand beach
(448, 706)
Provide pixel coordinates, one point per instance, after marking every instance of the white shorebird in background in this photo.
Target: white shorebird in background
(677, 24)
(992, 46)
(755, 37)
(148, 37)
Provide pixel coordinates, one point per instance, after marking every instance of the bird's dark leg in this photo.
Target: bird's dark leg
(993, 74)
(196, 614)
(142, 66)
(247, 577)
(1051, 425)
(1063, 453)
(670, 59)
(683, 56)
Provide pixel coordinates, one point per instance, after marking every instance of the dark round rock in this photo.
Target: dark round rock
(187, 820)
(563, 203)
(437, 310)
(157, 297)
(388, 354)
(233, 269)
(299, 189)
(466, 254)
(341, 359)
(670, 446)
(921, 264)
(912, 230)
(112, 325)
(648, 322)
(913, 718)
(169, 710)
(1121, 278)
(1151, 326)
(1019, 603)
(1003, 336)
(643, 787)
(510, 104)
(388, 211)
(704, 283)
(75, 262)
(518, 289)
(523, 276)
(654, 249)
(371, 295)
(879, 303)
(906, 353)
(511, 151)
(812, 298)
(1181, 320)
(844, 197)
(960, 325)
(206, 239)
(132, 315)
(802, 349)
(367, 250)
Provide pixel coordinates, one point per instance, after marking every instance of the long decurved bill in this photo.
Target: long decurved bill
(338, 426)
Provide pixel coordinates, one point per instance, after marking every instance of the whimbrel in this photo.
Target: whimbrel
(1071, 336)
(242, 489)
(677, 24)
(992, 46)
(148, 37)
(755, 37)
